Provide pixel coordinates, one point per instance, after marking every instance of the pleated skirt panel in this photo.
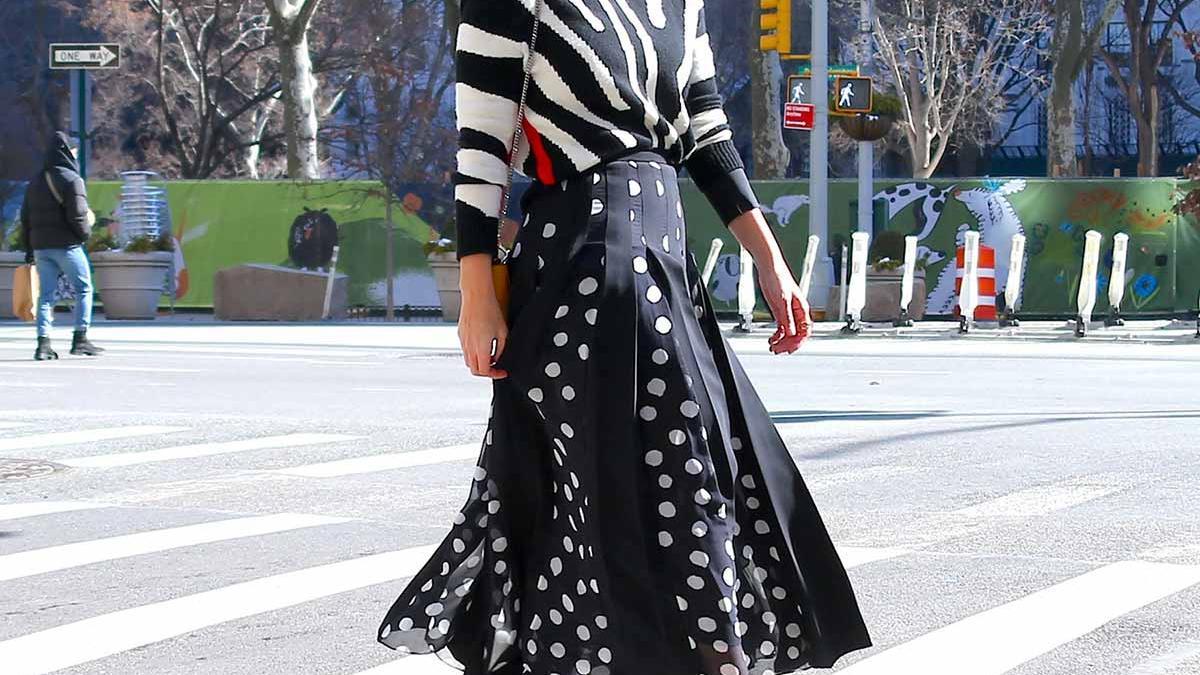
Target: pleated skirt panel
(634, 510)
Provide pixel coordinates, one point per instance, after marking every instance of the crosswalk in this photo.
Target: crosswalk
(1053, 612)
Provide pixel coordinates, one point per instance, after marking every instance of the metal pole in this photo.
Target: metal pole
(866, 149)
(390, 258)
(818, 185)
(329, 283)
(80, 106)
(845, 266)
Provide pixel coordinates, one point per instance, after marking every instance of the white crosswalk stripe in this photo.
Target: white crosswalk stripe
(31, 509)
(395, 460)
(1000, 639)
(59, 438)
(54, 558)
(12, 425)
(413, 665)
(205, 450)
(108, 634)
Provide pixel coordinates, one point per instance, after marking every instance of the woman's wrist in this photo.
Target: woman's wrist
(475, 278)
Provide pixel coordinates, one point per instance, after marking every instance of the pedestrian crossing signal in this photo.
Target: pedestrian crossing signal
(776, 26)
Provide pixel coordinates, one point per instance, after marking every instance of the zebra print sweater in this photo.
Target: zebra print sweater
(610, 77)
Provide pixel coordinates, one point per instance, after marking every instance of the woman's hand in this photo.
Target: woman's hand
(482, 328)
(789, 309)
(778, 285)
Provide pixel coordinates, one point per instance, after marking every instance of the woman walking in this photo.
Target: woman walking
(634, 510)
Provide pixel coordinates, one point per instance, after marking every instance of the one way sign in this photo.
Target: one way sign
(85, 56)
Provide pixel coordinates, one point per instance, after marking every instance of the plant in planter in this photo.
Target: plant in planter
(884, 279)
(872, 126)
(130, 280)
(443, 259)
(12, 256)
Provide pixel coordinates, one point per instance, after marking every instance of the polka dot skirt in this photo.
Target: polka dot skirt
(633, 511)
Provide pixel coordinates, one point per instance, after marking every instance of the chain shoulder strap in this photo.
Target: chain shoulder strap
(518, 131)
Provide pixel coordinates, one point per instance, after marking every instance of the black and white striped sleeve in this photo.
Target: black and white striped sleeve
(714, 164)
(491, 50)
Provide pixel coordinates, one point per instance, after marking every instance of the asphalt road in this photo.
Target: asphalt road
(251, 499)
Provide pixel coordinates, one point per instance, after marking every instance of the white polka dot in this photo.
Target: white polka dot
(654, 458)
(659, 356)
(793, 630)
(737, 445)
(779, 593)
(604, 654)
(588, 286)
(583, 633)
(500, 545)
(678, 233)
(665, 539)
(458, 545)
(583, 666)
(639, 265)
(556, 566)
(753, 503)
(583, 352)
(693, 466)
(703, 497)
(434, 609)
(542, 584)
(635, 188)
(699, 558)
(597, 207)
(500, 567)
(665, 481)
(560, 339)
(648, 413)
(531, 647)
(656, 386)
(748, 482)
(708, 625)
(689, 409)
(562, 311)
(761, 527)
(632, 215)
(725, 605)
(567, 430)
(517, 250)
(558, 650)
(747, 601)
(677, 437)
(679, 208)
(767, 648)
(741, 628)
(590, 317)
(653, 294)
(721, 646)
(667, 509)
(699, 528)
(568, 393)
(666, 242)
(727, 576)
(568, 545)
(601, 620)
(729, 669)
(663, 325)
(793, 652)
(683, 604)
(536, 395)
(553, 369)
(541, 263)
(595, 179)
(659, 187)
(549, 230)
(695, 582)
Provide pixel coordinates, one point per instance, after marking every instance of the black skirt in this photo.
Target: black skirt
(634, 510)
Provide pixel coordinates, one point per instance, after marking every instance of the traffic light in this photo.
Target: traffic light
(776, 24)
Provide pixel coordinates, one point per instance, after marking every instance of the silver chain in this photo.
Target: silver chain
(518, 131)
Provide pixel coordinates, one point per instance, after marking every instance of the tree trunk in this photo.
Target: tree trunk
(1060, 129)
(1148, 136)
(299, 106)
(771, 156)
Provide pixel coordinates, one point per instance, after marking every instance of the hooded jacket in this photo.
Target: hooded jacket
(46, 221)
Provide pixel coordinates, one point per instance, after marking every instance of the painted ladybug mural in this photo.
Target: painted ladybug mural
(311, 240)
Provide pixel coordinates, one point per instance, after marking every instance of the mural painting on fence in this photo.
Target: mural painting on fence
(1053, 215)
(222, 224)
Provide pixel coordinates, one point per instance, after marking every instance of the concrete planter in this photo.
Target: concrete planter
(883, 296)
(445, 274)
(9, 262)
(130, 284)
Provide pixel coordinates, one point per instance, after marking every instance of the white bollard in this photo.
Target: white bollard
(907, 281)
(745, 294)
(1116, 282)
(810, 262)
(856, 296)
(329, 283)
(1086, 297)
(714, 252)
(968, 296)
(1016, 275)
(845, 267)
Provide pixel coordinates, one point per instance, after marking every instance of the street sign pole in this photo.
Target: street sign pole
(818, 190)
(81, 105)
(80, 59)
(866, 149)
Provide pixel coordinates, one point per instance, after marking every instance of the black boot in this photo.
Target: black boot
(44, 352)
(80, 346)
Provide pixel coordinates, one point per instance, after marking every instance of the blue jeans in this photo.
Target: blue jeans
(73, 263)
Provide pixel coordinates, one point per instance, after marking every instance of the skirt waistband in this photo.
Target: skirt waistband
(537, 188)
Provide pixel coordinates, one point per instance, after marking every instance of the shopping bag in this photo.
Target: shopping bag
(25, 293)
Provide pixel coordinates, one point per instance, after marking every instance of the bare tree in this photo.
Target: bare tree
(1138, 73)
(290, 21)
(949, 63)
(1071, 49)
